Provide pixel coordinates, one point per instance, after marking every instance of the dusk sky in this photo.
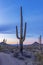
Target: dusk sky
(10, 17)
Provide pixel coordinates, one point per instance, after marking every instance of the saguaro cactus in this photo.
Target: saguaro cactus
(40, 41)
(22, 34)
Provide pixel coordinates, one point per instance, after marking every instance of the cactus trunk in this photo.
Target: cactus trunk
(21, 46)
(21, 31)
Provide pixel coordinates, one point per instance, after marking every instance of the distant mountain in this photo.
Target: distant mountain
(35, 44)
(5, 45)
(2, 43)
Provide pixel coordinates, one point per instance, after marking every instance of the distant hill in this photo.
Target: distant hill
(2, 43)
(35, 44)
(5, 47)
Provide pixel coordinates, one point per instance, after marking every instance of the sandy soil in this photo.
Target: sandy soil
(7, 59)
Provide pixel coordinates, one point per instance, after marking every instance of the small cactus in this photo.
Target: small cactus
(40, 41)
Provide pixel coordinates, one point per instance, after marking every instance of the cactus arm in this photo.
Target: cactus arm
(24, 32)
(17, 32)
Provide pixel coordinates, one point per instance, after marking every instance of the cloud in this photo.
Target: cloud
(31, 14)
(33, 35)
(10, 28)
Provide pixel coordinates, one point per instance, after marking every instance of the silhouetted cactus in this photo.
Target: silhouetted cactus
(4, 40)
(22, 37)
(40, 43)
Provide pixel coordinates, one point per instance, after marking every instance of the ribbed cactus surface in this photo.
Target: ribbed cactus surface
(22, 34)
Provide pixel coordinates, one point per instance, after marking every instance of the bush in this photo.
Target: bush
(0, 48)
(39, 58)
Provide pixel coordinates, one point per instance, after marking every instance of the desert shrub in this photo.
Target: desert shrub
(16, 54)
(26, 63)
(0, 48)
(39, 58)
(21, 58)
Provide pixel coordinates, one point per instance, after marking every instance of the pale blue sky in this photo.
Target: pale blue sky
(32, 14)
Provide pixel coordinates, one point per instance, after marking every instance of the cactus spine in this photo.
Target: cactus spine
(22, 37)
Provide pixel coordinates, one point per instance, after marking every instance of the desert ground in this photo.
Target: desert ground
(10, 55)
